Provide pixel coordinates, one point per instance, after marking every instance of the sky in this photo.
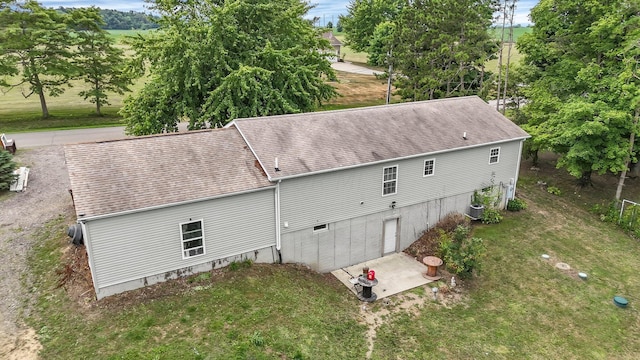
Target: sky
(326, 10)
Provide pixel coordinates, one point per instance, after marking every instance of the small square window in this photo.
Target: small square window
(494, 155)
(390, 180)
(192, 239)
(321, 227)
(429, 167)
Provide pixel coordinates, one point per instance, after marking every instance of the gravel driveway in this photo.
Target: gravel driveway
(21, 215)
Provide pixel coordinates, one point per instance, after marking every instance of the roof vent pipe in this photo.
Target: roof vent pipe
(464, 135)
(276, 167)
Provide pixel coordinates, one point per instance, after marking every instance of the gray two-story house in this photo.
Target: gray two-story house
(327, 189)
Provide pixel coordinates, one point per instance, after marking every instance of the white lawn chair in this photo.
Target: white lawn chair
(8, 144)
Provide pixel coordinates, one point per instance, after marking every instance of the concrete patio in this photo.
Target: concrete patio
(395, 273)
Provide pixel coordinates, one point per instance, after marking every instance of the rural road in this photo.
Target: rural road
(63, 137)
(354, 69)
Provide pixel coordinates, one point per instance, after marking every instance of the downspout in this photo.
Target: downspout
(277, 205)
(515, 182)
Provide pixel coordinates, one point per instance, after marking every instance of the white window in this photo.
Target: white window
(192, 239)
(390, 180)
(494, 155)
(321, 227)
(429, 167)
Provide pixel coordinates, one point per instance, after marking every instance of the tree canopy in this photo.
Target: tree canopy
(34, 43)
(212, 61)
(363, 17)
(440, 47)
(42, 50)
(122, 20)
(581, 63)
(100, 64)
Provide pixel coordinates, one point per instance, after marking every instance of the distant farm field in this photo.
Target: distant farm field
(121, 34)
(517, 32)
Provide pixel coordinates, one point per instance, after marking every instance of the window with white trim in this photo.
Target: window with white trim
(390, 180)
(192, 238)
(429, 167)
(494, 155)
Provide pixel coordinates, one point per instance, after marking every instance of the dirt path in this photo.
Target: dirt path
(21, 215)
(408, 302)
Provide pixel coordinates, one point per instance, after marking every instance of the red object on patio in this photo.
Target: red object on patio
(371, 275)
(432, 263)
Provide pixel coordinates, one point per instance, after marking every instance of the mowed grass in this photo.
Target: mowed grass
(522, 306)
(492, 65)
(350, 55)
(519, 306)
(69, 110)
(253, 312)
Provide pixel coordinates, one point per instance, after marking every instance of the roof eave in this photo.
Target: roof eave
(162, 206)
(522, 138)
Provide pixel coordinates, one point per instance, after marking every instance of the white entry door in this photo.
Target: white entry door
(390, 236)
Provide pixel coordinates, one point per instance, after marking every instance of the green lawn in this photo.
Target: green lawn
(350, 55)
(520, 305)
(69, 110)
(492, 65)
(255, 312)
(121, 34)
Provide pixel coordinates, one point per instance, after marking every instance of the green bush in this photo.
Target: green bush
(460, 252)
(516, 205)
(554, 190)
(7, 166)
(491, 216)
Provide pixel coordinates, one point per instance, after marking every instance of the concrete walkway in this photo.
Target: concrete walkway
(395, 273)
(354, 69)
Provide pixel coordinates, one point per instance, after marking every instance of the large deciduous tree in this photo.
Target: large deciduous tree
(363, 17)
(8, 61)
(580, 90)
(441, 47)
(99, 63)
(37, 40)
(212, 61)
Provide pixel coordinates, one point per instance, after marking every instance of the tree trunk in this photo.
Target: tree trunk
(534, 158)
(585, 179)
(96, 87)
(43, 105)
(627, 160)
(38, 88)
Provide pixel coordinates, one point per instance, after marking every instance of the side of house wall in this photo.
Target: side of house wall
(351, 204)
(134, 250)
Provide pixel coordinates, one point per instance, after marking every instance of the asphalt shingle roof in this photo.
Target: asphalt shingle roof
(313, 142)
(115, 176)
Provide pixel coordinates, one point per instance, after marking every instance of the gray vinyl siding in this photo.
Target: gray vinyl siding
(345, 243)
(134, 246)
(340, 195)
(360, 239)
